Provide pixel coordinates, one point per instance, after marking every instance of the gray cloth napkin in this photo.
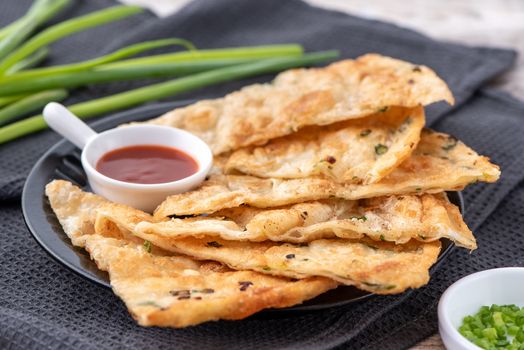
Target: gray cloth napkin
(44, 305)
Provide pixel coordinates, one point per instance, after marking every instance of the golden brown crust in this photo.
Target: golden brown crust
(398, 219)
(355, 151)
(439, 163)
(164, 290)
(75, 209)
(177, 291)
(379, 267)
(322, 177)
(297, 98)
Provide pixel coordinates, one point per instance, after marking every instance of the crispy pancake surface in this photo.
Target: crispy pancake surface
(164, 290)
(75, 209)
(297, 98)
(398, 219)
(360, 150)
(439, 163)
(325, 176)
(379, 267)
(178, 291)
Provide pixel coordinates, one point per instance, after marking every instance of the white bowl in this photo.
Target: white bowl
(145, 197)
(501, 286)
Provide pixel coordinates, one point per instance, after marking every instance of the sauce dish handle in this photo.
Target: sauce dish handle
(64, 122)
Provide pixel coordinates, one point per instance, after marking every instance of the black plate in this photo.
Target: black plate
(62, 161)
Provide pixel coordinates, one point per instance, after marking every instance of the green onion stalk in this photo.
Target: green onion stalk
(255, 52)
(30, 104)
(31, 61)
(240, 53)
(4, 101)
(180, 63)
(64, 29)
(167, 89)
(104, 75)
(40, 12)
(9, 28)
(86, 65)
(47, 14)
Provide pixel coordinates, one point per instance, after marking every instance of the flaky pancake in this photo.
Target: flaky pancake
(297, 98)
(398, 219)
(361, 150)
(379, 267)
(176, 291)
(164, 290)
(74, 208)
(439, 163)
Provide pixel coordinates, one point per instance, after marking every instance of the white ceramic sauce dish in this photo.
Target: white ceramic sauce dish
(501, 286)
(145, 197)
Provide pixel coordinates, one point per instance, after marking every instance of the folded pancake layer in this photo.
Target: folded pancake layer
(164, 290)
(355, 151)
(439, 163)
(297, 98)
(379, 267)
(398, 219)
(178, 291)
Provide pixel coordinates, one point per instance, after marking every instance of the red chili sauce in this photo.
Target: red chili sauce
(147, 164)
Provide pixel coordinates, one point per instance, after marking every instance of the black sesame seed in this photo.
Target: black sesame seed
(183, 292)
(331, 159)
(244, 285)
(181, 216)
(214, 244)
(290, 256)
(366, 132)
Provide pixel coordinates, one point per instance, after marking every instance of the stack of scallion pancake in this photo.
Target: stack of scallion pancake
(324, 177)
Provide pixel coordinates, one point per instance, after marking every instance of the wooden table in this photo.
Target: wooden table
(498, 23)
